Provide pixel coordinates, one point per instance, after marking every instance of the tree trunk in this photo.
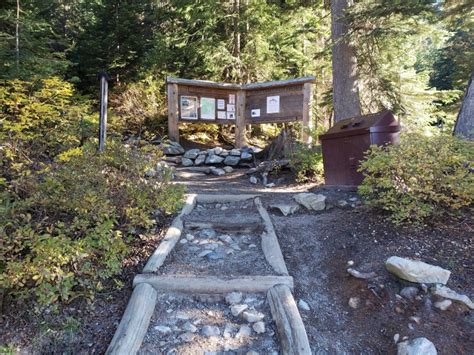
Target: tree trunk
(464, 127)
(344, 65)
(17, 37)
(236, 51)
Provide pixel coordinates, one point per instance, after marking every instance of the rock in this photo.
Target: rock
(187, 337)
(361, 275)
(183, 241)
(259, 327)
(200, 159)
(303, 305)
(285, 209)
(315, 202)
(150, 173)
(163, 329)
(215, 256)
(228, 330)
(446, 292)
(342, 203)
(443, 305)
(189, 237)
(237, 309)
(227, 169)
(252, 316)
(207, 233)
(235, 152)
(226, 238)
(409, 292)
(252, 352)
(354, 302)
(218, 150)
(171, 148)
(246, 156)
(270, 185)
(233, 297)
(396, 338)
(211, 246)
(210, 331)
(204, 253)
(191, 154)
(232, 160)
(214, 159)
(187, 162)
(416, 271)
(418, 346)
(253, 180)
(189, 327)
(244, 331)
(217, 171)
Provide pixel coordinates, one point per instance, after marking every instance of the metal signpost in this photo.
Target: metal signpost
(104, 86)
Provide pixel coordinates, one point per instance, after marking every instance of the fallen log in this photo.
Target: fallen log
(290, 327)
(212, 284)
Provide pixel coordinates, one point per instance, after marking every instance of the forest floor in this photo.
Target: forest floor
(317, 247)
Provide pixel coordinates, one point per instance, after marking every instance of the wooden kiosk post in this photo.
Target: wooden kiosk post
(200, 101)
(173, 112)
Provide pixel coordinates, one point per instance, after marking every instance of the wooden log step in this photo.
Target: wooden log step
(223, 198)
(270, 246)
(290, 327)
(212, 284)
(135, 321)
(225, 226)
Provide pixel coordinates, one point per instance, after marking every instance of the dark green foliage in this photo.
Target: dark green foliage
(420, 179)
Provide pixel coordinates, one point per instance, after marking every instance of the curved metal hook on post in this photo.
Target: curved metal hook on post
(104, 87)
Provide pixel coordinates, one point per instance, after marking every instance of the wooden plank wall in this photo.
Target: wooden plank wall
(291, 104)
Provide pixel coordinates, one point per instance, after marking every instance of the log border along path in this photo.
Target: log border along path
(136, 318)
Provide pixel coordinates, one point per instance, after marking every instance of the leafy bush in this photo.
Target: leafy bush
(306, 162)
(63, 230)
(421, 178)
(38, 120)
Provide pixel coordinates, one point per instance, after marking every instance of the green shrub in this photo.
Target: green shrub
(423, 177)
(306, 162)
(64, 230)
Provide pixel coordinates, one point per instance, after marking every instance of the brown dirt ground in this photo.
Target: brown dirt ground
(316, 247)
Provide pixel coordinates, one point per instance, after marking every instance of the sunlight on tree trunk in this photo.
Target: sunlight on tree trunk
(344, 65)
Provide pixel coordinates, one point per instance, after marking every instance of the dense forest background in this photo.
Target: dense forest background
(413, 56)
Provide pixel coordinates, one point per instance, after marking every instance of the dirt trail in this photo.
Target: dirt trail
(317, 247)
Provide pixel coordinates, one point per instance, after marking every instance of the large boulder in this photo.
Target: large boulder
(214, 159)
(191, 154)
(315, 202)
(417, 271)
(417, 346)
(232, 160)
(171, 148)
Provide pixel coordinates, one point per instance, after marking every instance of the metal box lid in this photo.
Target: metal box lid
(371, 123)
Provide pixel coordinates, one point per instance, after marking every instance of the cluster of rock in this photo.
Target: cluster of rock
(219, 156)
(206, 244)
(426, 279)
(247, 322)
